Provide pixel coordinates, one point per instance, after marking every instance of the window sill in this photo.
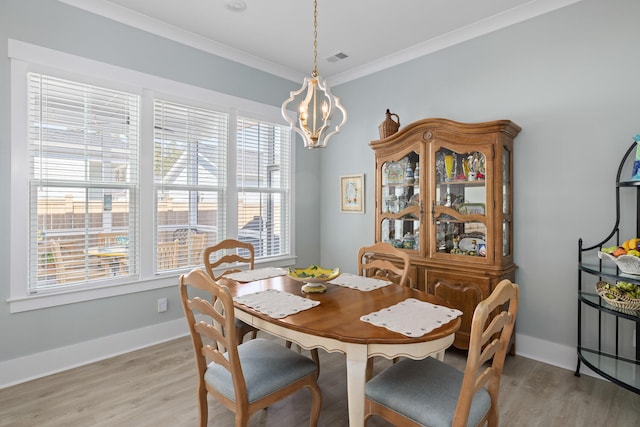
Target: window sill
(72, 296)
(57, 298)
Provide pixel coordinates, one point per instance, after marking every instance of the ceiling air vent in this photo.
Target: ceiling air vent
(337, 57)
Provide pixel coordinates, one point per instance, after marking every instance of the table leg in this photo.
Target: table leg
(356, 378)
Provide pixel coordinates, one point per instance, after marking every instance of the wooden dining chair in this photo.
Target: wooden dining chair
(233, 253)
(247, 377)
(430, 392)
(71, 265)
(383, 261)
(167, 255)
(228, 252)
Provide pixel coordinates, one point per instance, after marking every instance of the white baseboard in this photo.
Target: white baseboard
(49, 362)
(19, 370)
(551, 353)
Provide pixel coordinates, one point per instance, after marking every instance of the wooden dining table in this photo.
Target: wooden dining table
(335, 326)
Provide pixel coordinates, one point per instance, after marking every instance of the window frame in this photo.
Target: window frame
(25, 57)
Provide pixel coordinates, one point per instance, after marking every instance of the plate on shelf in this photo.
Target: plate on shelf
(395, 173)
(470, 244)
(472, 209)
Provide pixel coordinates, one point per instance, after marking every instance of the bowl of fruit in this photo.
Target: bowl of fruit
(625, 256)
(313, 277)
(623, 295)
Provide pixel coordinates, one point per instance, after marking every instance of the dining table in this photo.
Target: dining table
(114, 254)
(334, 322)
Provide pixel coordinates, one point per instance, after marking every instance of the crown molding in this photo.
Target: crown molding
(493, 23)
(142, 22)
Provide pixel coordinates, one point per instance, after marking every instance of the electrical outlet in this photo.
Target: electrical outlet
(163, 304)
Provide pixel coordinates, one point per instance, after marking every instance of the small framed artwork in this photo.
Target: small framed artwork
(352, 193)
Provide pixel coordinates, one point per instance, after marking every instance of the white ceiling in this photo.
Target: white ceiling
(277, 35)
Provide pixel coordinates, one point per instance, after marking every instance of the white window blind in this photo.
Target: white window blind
(83, 183)
(263, 181)
(190, 157)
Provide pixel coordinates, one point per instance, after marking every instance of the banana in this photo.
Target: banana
(630, 244)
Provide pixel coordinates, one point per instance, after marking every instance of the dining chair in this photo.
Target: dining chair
(167, 255)
(383, 261)
(247, 377)
(110, 238)
(191, 245)
(71, 265)
(430, 392)
(231, 252)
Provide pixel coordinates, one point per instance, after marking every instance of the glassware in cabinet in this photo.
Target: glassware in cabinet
(400, 210)
(460, 203)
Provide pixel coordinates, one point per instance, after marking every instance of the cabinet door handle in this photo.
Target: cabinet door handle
(433, 212)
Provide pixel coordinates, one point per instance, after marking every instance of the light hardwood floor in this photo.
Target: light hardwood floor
(156, 387)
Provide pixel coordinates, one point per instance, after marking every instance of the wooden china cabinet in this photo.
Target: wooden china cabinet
(444, 193)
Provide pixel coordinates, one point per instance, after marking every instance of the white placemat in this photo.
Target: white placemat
(259, 274)
(412, 317)
(276, 304)
(360, 283)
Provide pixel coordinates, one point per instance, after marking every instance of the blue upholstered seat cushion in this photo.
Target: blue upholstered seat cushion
(425, 391)
(267, 367)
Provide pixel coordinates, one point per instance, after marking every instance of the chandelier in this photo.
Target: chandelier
(315, 110)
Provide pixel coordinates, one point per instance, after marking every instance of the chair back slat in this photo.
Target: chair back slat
(228, 251)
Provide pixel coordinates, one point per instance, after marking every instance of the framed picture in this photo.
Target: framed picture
(352, 193)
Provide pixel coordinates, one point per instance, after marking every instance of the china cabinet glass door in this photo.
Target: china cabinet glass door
(401, 210)
(461, 203)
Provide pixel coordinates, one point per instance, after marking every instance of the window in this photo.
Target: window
(120, 178)
(263, 172)
(83, 182)
(190, 155)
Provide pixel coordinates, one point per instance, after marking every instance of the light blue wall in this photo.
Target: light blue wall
(55, 25)
(570, 79)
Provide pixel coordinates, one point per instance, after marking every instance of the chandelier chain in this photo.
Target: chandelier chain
(315, 39)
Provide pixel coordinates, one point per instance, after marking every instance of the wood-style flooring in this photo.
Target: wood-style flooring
(156, 387)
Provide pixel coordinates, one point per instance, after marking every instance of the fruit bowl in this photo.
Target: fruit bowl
(313, 276)
(628, 264)
(614, 297)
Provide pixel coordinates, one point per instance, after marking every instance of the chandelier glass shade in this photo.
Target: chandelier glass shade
(315, 113)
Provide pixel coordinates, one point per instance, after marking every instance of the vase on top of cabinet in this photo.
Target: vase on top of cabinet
(455, 215)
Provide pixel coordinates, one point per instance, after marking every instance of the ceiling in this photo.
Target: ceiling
(277, 35)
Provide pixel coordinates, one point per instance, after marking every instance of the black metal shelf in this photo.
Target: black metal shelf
(607, 353)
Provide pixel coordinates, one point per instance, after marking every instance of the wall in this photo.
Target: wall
(569, 78)
(43, 341)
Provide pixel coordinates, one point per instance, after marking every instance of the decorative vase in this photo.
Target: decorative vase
(389, 126)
